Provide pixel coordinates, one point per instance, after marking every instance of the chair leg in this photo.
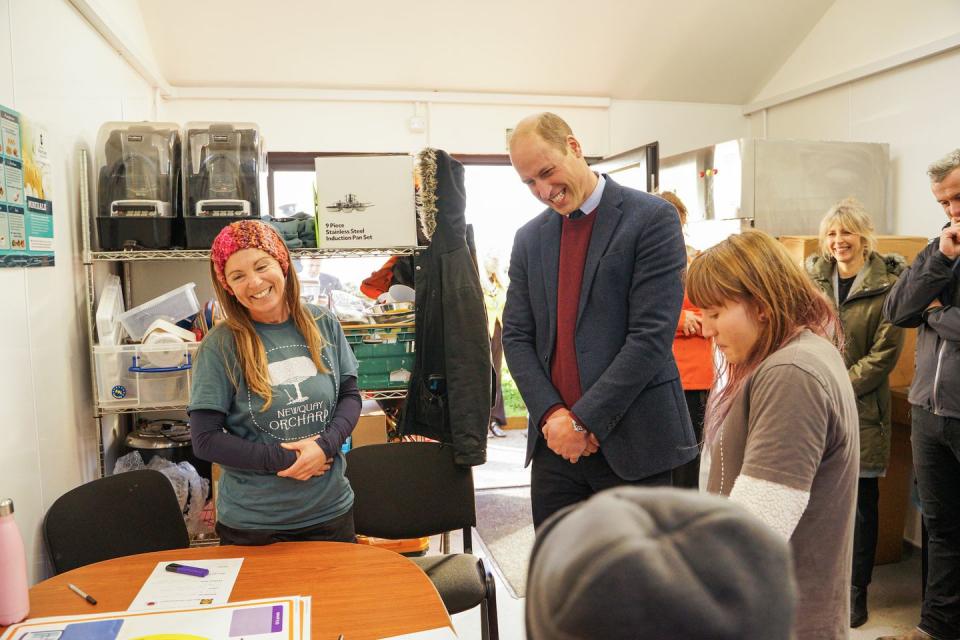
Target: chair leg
(489, 625)
(484, 621)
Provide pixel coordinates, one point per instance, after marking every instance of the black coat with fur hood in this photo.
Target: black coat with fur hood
(449, 395)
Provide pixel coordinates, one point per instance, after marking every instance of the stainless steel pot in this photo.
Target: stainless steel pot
(169, 439)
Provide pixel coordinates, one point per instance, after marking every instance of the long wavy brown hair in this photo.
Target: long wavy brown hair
(756, 270)
(251, 355)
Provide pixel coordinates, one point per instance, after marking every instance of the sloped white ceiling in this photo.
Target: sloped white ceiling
(695, 50)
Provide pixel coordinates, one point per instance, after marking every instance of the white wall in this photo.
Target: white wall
(913, 108)
(57, 71)
(479, 128)
(854, 34)
(320, 125)
(677, 126)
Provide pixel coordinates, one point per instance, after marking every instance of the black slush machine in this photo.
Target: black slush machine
(223, 163)
(138, 176)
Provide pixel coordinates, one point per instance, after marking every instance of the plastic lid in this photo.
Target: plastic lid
(6, 507)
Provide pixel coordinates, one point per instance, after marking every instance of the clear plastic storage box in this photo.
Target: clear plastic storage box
(176, 305)
(140, 375)
(109, 308)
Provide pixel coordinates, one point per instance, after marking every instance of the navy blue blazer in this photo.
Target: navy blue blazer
(630, 302)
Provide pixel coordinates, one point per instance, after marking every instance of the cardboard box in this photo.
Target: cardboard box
(799, 247)
(370, 429)
(365, 202)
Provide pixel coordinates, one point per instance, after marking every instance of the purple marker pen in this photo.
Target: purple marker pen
(173, 567)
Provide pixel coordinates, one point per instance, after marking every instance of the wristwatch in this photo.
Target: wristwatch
(576, 425)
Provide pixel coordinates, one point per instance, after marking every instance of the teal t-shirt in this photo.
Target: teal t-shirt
(303, 404)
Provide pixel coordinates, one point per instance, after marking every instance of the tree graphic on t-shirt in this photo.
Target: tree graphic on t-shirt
(292, 372)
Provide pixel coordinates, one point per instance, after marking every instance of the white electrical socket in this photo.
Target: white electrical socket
(417, 124)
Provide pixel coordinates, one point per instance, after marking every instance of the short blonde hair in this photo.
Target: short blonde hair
(550, 127)
(851, 215)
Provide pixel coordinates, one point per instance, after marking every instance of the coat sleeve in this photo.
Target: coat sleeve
(520, 339)
(466, 356)
(869, 372)
(655, 298)
(918, 286)
(945, 321)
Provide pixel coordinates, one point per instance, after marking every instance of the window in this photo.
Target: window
(497, 205)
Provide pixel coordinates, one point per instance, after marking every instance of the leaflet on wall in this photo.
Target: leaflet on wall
(26, 203)
(365, 202)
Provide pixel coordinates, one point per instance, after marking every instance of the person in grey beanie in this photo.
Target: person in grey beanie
(634, 562)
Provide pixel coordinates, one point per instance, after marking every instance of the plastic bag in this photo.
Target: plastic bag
(191, 489)
(348, 307)
(129, 462)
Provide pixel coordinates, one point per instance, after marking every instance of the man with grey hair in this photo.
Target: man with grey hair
(928, 296)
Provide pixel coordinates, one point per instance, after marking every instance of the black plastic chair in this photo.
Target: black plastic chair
(119, 515)
(414, 489)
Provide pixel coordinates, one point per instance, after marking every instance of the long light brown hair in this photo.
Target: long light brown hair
(251, 355)
(755, 270)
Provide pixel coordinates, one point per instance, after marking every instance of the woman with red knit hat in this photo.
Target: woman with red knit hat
(274, 397)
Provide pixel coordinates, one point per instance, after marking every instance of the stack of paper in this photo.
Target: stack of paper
(286, 618)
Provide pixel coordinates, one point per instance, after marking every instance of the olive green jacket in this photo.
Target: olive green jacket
(872, 346)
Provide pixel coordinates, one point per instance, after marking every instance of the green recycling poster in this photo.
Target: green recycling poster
(26, 202)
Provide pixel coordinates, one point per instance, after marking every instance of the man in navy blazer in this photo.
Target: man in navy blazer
(594, 298)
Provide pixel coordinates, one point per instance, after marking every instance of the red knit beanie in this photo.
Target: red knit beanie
(247, 234)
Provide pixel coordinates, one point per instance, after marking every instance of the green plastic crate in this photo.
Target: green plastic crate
(385, 355)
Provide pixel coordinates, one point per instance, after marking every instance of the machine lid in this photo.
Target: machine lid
(160, 434)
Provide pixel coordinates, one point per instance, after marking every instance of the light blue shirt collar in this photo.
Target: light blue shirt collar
(590, 204)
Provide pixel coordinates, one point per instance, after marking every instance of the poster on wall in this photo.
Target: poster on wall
(365, 202)
(26, 201)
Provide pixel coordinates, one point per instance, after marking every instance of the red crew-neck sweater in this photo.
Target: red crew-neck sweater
(574, 242)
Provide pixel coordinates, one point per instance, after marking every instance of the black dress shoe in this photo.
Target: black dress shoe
(858, 606)
(496, 431)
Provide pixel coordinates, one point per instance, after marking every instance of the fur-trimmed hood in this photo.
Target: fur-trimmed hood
(878, 267)
(441, 196)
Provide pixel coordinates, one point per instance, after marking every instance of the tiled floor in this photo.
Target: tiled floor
(894, 595)
(894, 602)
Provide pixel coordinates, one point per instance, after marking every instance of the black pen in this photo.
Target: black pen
(80, 592)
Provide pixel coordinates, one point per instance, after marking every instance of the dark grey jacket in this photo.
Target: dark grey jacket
(936, 379)
(629, 305)
(448, 398)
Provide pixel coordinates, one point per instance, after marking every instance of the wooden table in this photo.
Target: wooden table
(357, 590)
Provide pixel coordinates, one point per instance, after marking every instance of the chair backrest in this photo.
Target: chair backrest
(409, 490)
(119, 515)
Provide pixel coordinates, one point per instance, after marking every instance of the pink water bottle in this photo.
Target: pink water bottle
(14, 598)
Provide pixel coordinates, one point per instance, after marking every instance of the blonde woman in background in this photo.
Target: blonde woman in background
(782, 432)
(857, 279)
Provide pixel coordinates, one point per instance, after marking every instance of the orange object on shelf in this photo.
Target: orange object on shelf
(406, 546)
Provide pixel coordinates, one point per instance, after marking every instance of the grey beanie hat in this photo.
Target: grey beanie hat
(654, 563)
